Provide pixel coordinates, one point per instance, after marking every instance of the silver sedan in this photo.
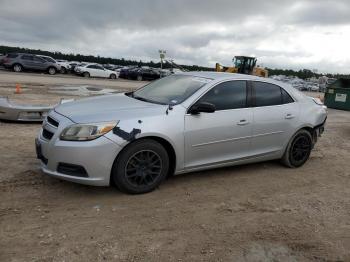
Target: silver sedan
(181, 123)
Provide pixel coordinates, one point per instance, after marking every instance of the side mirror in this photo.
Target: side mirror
(202, 107)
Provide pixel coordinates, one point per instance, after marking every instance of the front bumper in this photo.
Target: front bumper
(96, 156)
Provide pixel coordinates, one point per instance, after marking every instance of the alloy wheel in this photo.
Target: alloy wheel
(301, 149)
(52, 71)
(17, 68)
(143, 168)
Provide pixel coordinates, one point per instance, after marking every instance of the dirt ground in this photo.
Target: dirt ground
(258, 212)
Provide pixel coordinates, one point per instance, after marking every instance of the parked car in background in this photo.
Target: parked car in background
(124, 72)
(2, 56)
(21, 61)
(312, 86)
(72, 65)
(65, 67)
(144, 74)
(178, 124)
(95, 70)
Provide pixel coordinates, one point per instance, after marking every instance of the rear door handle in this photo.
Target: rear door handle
(243, 122)
(289, 116)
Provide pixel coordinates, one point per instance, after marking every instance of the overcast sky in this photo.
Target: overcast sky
(283, 34)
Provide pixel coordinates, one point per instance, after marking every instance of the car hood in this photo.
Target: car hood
(108, 108)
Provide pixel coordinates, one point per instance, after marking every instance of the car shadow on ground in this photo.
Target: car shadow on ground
(189, 180)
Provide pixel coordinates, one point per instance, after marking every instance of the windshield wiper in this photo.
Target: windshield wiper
(130, 94)
(147, 100)
(141, 98)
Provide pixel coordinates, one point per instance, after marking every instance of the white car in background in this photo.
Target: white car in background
(65, 67)
(95, 70)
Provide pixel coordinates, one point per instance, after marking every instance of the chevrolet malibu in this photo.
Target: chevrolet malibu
(181, 123)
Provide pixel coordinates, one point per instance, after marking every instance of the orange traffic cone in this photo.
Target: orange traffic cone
(18, 89)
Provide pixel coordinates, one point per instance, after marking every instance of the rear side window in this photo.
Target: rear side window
(91, 66)
(286, 98)
(27, 57)
(267, 94)
(39, 59)
(12, 55)
(227, 95)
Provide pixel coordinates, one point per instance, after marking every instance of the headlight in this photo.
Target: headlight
(86, 132)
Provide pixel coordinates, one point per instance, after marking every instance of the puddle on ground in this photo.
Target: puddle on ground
(82, 90)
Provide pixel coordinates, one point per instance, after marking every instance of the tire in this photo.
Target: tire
(298, 150)
(63, 70)
(51, 70)
(139, 78)
(141, 167)
(86, 74)
(112, 76)
(17, 68)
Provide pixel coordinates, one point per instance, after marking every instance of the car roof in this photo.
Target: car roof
(219, 76)
(222, 76)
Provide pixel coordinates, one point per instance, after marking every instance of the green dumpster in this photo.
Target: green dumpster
(338, 94)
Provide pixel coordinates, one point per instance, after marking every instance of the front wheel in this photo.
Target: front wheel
(52, 70)
(86, 74)
(17, 68)
(112, 76)
(63, 70)
(141, 167)
(298, 150)
(139, 78)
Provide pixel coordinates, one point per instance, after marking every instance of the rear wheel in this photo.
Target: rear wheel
(298, 150)
(86, 74)
(51, 70)
(63, 70)
(141, 167)
(17, 68)
(112, 76)
(139, 78)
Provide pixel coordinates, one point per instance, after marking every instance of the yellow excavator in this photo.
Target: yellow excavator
(244, 65)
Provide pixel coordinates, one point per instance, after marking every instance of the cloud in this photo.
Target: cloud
(284, 34)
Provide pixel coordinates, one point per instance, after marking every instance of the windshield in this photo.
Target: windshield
(171, 90)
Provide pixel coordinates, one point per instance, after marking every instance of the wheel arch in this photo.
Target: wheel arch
(308, 128)
(164, 142)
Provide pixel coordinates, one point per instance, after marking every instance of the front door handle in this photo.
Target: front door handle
(289, 116)
(243, 122)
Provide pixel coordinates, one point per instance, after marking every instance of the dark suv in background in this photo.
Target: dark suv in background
(143, 74)
(20, 62)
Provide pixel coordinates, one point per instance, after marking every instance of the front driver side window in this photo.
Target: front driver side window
(227, 95)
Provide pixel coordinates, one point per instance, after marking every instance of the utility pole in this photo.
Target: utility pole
(162, 56)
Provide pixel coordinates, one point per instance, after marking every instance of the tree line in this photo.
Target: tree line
(303, 73)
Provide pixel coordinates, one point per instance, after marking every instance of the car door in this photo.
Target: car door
(145, 73)
(153, 75)
(214, 138)
(100, 71)
(39, 63)
(92, 70)
(275, 118)
(27, 61)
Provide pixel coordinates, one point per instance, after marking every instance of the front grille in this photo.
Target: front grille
(47, 134)
(52, 121)
(71, 170)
